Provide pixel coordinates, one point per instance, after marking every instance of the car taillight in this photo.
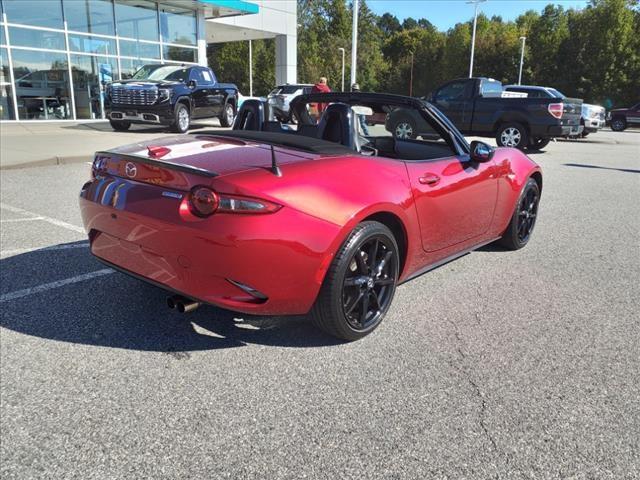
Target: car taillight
(235, 204)
(203, 202)
(556, 109)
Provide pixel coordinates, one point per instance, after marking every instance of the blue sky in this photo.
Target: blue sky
(444, 14)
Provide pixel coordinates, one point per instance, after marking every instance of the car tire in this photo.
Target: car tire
(120, 126)
(182, 118)
(585, 134)
(360, 283)
(521, 225)
(227, 116)
(405, 128)
(618, 124)
(538, 143)
(512, 135)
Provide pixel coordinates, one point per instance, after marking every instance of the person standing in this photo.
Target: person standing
(321, 87)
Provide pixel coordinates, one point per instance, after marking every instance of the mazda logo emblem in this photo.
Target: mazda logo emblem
(130, 169)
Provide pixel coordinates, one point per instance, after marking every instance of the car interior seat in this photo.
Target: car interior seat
(338, 125)
(251, 116)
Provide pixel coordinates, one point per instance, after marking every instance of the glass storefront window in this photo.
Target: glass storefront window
(91, 16)
(26, 37)
(2, 39)
(89, 44)
(38, 13)
(6, 100)
(139, 49)
(90, 75)
(42, 85)
(137, 19)
(178, 25)
(129, 67)
(180, 54)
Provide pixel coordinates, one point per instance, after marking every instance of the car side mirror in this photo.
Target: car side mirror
(481, 152)
(192, 84)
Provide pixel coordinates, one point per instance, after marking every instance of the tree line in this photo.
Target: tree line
(593, 53)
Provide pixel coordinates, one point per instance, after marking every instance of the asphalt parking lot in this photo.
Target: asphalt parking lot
(499, 365)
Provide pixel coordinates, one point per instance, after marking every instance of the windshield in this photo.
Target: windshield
(162, 72)
(555, 93)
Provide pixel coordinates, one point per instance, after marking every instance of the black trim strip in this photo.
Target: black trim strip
(160, 163)
(446, 260)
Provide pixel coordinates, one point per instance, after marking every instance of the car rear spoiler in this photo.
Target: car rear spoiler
(158, 163)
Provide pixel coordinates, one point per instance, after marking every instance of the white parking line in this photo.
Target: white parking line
(19, 251)
(50, 220)
(48, 286)
(14, 220)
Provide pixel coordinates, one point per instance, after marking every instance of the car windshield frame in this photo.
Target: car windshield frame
(160, 72)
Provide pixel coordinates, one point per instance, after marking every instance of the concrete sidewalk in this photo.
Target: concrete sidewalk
(54, 143)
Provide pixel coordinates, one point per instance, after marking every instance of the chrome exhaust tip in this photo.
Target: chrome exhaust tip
(186, 305)
(182, 304)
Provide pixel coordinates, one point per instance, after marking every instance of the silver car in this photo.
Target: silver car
(280, 97)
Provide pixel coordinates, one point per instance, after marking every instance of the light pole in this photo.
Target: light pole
(473, 37)
(354, 41)
(342, 50)
(524, 39)
(250, 70)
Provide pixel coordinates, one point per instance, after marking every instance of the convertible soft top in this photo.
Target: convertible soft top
(292, 140)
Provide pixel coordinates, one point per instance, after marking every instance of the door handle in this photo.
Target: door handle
(429, 179)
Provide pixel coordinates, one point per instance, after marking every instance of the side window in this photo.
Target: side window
(206, 77)
(453, 91)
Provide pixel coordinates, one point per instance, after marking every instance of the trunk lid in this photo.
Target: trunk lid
(183, 161)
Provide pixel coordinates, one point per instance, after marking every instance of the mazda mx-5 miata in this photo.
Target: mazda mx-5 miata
(322, 216)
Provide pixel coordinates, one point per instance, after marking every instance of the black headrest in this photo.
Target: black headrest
(251, 116)
(338, 125)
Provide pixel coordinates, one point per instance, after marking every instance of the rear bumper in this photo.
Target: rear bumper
(283, 256)
(564, 130)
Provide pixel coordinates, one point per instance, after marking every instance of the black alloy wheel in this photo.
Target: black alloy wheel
(360, 283)
(367, 289)
(520, 228)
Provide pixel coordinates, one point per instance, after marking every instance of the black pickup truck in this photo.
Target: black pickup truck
(480, 107)
(170, 95)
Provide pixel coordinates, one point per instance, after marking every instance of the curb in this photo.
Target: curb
(49, 161)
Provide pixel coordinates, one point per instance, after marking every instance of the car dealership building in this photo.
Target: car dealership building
(56, 55)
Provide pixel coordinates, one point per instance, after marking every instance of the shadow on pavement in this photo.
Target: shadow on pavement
(117, 311)
(582, 165)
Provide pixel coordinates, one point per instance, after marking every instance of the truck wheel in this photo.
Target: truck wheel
(538, 143)
(119, 126)
(405, 128)
(229, 113)
(182, 118)
(618, 124)
(513, 135)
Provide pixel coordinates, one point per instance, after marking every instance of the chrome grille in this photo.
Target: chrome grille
(134, 96)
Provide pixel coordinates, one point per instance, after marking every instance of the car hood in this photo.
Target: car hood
(145, 83)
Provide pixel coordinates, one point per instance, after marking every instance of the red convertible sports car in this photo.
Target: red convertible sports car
(314, 216)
